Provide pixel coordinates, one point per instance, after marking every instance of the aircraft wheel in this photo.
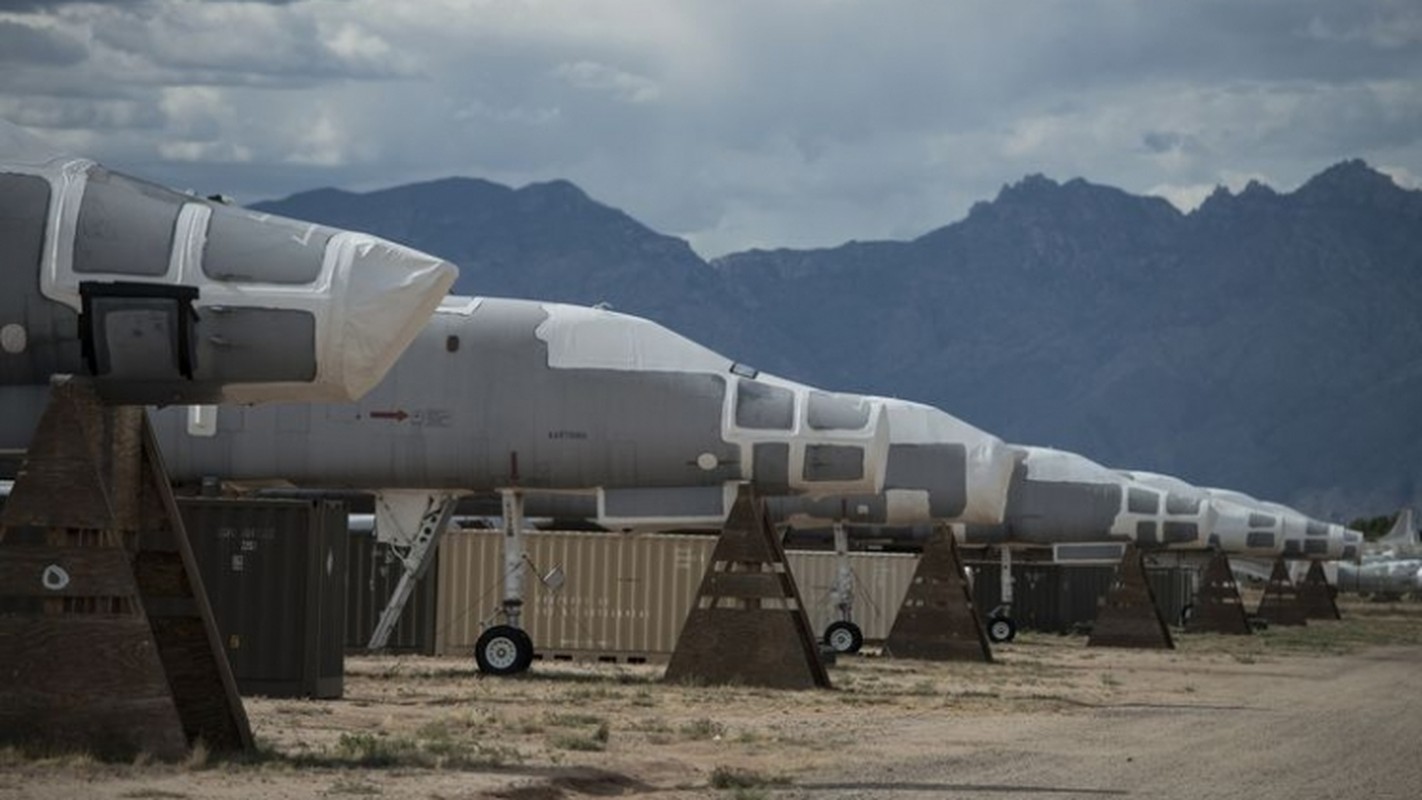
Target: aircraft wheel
(1186, 614)
(844, 637)
(527, 660)
(503, 650)
(1001, 629)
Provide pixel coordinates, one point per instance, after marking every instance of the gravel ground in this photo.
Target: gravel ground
(1331, 710)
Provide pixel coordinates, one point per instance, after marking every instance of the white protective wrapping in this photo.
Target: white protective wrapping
(1060, 466)
(1226, 521)
(593, 338)
(989, 466)
(369, 301)
(385, 293)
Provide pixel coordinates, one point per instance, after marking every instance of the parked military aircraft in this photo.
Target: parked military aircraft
(938, 469)
(1381, 576)
(165, 297)
(1401, 541)
(522, 397)
(1391, 566)
(1301, 536)
(1057, 498)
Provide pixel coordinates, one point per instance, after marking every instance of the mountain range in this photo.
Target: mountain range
(1267, 342)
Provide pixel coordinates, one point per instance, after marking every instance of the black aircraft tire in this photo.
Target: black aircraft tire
(503, 650)
(1001, 629)
(1186, 614)
(844, 637)
(526, 659)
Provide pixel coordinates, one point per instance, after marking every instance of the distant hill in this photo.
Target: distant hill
(1266, 342)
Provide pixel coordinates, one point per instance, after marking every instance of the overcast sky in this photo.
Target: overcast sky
(734, 124)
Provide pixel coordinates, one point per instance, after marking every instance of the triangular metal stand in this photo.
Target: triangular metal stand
(107, 642)
(938, 620)
(1281, 603)
(1127, 616)
(1317, 595)
(748, 625)
(1218, 608)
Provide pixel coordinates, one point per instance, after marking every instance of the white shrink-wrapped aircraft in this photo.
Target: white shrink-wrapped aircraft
(528, 399)
(1391, 566)
(164, 297)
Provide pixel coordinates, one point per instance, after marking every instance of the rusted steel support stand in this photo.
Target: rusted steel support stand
(938, 620)
(1218, 608)
(107, 641)
(1128, 616)
(1281, 603)
(748, 625)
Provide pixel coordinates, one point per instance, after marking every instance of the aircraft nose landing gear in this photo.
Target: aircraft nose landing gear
(507, 649)
(503, 650)
(1001, 629)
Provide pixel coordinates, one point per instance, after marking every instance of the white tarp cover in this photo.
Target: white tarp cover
(593, 338)
(369, 300)
(990, 460)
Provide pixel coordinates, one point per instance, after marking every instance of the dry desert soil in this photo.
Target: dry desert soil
(1330, 710)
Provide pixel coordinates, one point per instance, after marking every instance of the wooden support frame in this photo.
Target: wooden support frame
(1281, 604)
(748, 625)
(104, 624)
(938, 620)
(1218, 608)
(1317, 596)
(1128, 616)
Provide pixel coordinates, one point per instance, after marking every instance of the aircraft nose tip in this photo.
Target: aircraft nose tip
(391, 291)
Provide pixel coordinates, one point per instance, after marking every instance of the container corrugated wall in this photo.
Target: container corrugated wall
(628, 595)
(371, 574)
(621, 594)
(880, 582)
(275, 573)
(1057, 597)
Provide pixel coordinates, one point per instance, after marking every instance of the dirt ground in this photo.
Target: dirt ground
(1330, 710)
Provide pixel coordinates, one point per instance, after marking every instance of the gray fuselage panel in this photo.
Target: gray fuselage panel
(473, 395)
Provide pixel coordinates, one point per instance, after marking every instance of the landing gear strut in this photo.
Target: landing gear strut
(842, 635)
(1000, 625)
(507, 649)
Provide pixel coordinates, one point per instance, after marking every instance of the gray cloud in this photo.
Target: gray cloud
(25, 44)
(734, 124)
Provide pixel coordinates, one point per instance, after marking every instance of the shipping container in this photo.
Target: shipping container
(881, 580)
(625, 597)
(622, 596)
(275, 572)
(372, 570)
(1057, 598)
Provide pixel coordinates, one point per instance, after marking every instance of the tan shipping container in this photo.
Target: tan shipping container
(880, 582)
(626, 596)
(622, 595)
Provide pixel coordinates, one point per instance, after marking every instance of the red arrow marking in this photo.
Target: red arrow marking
(398, 416)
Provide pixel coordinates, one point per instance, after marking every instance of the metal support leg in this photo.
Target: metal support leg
(513, 555)
(507, 649)
(843, 591)
(414, 545)
(1005, 572)
(1001, 627)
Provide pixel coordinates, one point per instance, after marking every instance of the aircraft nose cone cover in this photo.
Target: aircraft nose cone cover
(390, 291)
